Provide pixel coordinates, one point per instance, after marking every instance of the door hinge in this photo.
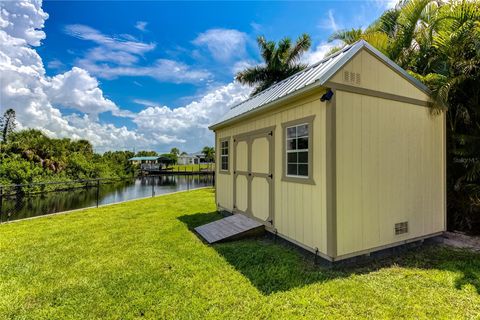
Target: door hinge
(270, 133)
(270, 175)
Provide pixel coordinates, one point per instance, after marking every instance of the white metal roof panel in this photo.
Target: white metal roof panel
(315, 75)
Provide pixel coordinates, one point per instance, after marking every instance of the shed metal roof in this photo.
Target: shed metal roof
(314, 76)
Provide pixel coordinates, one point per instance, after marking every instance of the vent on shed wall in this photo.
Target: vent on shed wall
(351, 77)
(401, 228)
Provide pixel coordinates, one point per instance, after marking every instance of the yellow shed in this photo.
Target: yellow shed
(342, 158)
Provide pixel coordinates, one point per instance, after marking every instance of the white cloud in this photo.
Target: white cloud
(256, 27)
(146, 103)
(76, 89)
(188, 126)
(141, 25)
(329, 22)
(25, 27)
(243, 64)
(124, 43)
(102, 54)
(34, 96)
(56, 64)
(117, 56)
(320, 52)
(386, 4)
(223, 44)
(163, 70)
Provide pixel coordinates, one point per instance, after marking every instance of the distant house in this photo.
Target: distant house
(192, 158)
(151, 163)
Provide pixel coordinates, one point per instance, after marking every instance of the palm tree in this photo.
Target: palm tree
(7, 124)
(281, 60)
(209, 153)
(375, 37)
(175, 151)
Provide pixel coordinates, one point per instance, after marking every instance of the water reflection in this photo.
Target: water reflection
(21, 207)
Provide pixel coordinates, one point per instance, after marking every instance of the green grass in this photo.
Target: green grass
(140, 259)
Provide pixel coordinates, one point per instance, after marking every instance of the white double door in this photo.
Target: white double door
(253, 188)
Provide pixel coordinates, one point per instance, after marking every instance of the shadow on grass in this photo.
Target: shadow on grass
(275, 267)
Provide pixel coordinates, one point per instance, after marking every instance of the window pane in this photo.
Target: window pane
(303, 157)
(303, 169)
(291, 132)
(302, 130)
(292, 144)
(303, 143)
(224, 163)
(292, 157)
(292, 169)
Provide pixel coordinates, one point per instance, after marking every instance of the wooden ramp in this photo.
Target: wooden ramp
(230, 228)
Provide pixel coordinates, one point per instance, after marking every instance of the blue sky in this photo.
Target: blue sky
(143, 60)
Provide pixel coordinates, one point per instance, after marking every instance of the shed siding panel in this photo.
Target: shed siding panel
(300, 209)
(225, 192)
(375, 75)
(389, 169)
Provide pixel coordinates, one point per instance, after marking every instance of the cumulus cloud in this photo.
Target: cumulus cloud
(223, 44)
(76, 89)
(188, 125)
(36, 97)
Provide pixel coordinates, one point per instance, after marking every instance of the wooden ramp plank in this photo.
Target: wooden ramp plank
(230, 228)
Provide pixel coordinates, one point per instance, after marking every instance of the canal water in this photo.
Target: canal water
(21, 207)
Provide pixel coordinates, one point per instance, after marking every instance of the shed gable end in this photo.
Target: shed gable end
(367, 71)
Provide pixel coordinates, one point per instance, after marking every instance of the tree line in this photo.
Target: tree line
(30, 156)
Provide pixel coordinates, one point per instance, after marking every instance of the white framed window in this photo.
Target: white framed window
(224, 155)
(297, 149)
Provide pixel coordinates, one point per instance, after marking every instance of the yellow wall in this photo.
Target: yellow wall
(390, 169)
(375, 75)
(300, 209)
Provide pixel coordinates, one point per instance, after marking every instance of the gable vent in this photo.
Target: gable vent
(401, 228)
(351, 77)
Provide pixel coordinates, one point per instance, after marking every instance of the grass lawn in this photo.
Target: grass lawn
(139, 259)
